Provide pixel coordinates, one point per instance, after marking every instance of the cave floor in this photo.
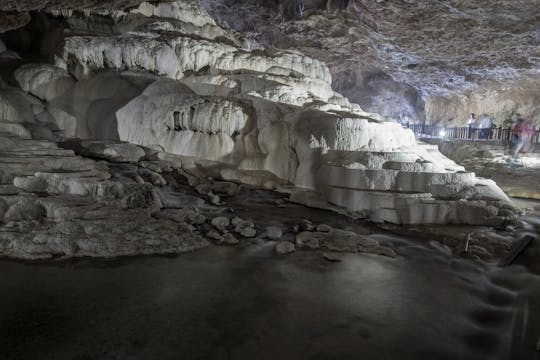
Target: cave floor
(248, 302)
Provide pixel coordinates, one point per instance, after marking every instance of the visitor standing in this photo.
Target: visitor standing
(486, 124)
(471, 124)
(527, 134)
(517, 136)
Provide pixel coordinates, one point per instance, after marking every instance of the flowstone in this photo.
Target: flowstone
(217, 108)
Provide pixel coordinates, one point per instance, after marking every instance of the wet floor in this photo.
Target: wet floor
(249, 303)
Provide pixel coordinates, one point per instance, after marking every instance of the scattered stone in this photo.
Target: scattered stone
(246, 229)
(273, 232)
(158, 166)
(196, 218)
(509, 228)
(236, 220)
(108, 150)
(306, 225)
(225, 188)
(138, 179)
(324, 228)
(285, 247)
(25, 209)
(220, 222)
(214, 199)
(332, 257)
(203, 189)
(308, 240)
(140, 196)
(212, 234)
(156, 179)
(248, 232)
(229, 239)
(341, 241)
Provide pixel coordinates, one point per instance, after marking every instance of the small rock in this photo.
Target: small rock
(108, 150)
(308, 240)
(379, 250)
(229, 239)
(306, 225)
(197, 219)
(332, 257)
(245, 228)
(273, 232)
(203, 189)
(140, 196)
(248, 232)
(285, 247)
(214, 199)
(156, 166)
(220, 222)
(324, 228)
(538, 345)
(225, 188)
(509, 228)
(25, 209)
(236, 220)
(157, 179)
(138, 179)
(215, 235)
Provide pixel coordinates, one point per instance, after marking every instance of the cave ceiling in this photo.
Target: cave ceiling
(437, 47)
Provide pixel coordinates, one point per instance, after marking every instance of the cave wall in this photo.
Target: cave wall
(501, 103)
(376, 91)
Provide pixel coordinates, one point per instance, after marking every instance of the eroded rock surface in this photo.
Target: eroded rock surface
(405, 53)
(136, 109)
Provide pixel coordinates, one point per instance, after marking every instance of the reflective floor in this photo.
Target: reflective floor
(250, 303)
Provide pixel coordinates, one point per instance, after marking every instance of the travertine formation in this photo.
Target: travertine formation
(165, 94)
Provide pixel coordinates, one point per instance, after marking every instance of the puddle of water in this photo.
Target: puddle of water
(231, 303)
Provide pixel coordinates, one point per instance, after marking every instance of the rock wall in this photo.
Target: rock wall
(501, 103)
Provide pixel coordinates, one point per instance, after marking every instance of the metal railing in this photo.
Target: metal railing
(468, 133)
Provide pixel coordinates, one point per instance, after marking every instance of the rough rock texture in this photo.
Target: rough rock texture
(517, 176)
(219, 109)
(404, 52)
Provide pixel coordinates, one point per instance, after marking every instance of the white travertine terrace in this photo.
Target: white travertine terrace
(262, 117)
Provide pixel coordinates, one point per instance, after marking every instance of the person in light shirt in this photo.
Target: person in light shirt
(486, 124)
(471, 124)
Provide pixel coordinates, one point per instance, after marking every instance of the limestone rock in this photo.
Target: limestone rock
(215, 236)
(262, 117)
(229, 239)
(43, 80)
(324, 228)
(140, 196)
(245, 229)
(214, 199)
(112, 151)
(273, 232)
(182, 123)
(24, 209)
(225, 188)
(285, 247)
(341, 241)
(332, 257)
(220, 222)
